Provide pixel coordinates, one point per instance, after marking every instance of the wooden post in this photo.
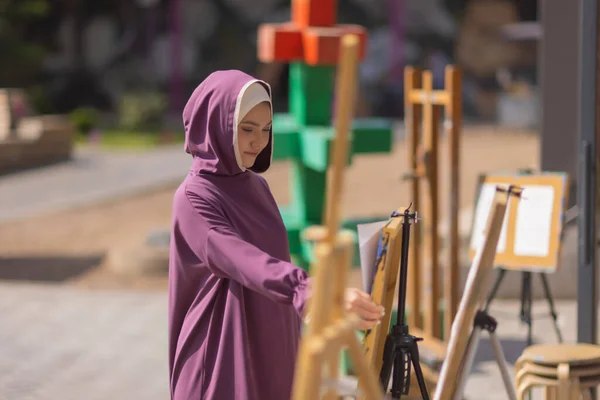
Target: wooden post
(345, 96)
(452, 125)
(428, 169)
(412, 119)
(337, 312)
(329, 328)
(6, 120)
(307, 375)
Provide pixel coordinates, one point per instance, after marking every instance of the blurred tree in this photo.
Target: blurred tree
(21, 59)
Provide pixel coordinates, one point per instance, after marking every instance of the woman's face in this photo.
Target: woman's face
(253, 133)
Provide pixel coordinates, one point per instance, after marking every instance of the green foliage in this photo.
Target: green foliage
(20, 59)
(23, 10)
(118, 139)
(141, 110)
(38, 98)
(84, 119)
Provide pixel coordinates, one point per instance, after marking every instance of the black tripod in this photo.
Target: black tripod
(526, 301)
(401, 350)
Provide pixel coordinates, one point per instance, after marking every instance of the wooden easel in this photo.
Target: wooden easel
(423, 107)
(457, 363)
(383, 291)
(515, 252)
(330, 329)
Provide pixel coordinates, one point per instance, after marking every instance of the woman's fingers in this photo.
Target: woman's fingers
(364, 325)
(363, 295)
(366, 310)
(361, 303)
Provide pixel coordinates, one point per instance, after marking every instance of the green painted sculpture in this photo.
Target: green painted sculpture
(304, 136)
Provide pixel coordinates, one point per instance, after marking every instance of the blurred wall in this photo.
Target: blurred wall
(558, 70)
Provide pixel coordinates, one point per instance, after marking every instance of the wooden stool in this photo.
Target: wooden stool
(567, 371)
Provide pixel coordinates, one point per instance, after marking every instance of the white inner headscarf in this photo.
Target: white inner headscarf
(252, 94)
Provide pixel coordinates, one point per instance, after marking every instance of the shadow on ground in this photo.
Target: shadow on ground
(47, 268)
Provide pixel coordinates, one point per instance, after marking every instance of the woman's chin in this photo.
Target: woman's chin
(248, 163)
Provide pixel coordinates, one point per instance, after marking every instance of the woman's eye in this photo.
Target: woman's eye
(248, 130)
(267, 130)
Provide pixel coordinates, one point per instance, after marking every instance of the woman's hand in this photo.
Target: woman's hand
(360, 303)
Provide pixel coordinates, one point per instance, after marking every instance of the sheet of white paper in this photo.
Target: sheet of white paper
(368, 239)
(482, 211)
(534, 220)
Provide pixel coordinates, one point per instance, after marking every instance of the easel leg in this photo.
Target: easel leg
(333, 372)
(526, 309)
(371, 387)
(414, 353)
(495, 288)
(387, 364)
(550, 393)
(501, 361)
(483, 321)
(467, 364)
(307, 379)
(399, 365)
(526, 305)
(551, 305)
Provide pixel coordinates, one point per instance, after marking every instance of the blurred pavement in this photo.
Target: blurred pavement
(59, 342)
(93, 176)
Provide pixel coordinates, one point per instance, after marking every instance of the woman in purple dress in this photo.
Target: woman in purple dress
(235, 300)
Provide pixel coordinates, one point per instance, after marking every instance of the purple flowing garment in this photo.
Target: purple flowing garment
(235, 300)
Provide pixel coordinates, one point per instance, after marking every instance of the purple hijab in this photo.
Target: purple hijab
(235, 299)
(209, 118)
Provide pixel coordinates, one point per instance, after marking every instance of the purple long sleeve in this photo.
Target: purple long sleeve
(278, 280)
(227, 255)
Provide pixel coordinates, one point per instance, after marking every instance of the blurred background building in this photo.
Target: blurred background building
(133, 60)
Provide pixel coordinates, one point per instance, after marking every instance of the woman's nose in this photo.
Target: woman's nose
(256, 143)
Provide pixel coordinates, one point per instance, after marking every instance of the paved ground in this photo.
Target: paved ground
(91, 177)
(95, 176)
(485, 381)
(65, 343)
(70, 344)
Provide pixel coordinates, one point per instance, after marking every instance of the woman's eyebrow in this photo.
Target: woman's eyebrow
(253, 123)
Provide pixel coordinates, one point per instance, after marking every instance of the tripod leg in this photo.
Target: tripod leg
(529, 314)
(389, 355)
(467, 363)
(526, 305)
(414, 355)
(501, 361)
(551, 305)
(526, 309)
(495, 288)
(523, 296)
(401, 370)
